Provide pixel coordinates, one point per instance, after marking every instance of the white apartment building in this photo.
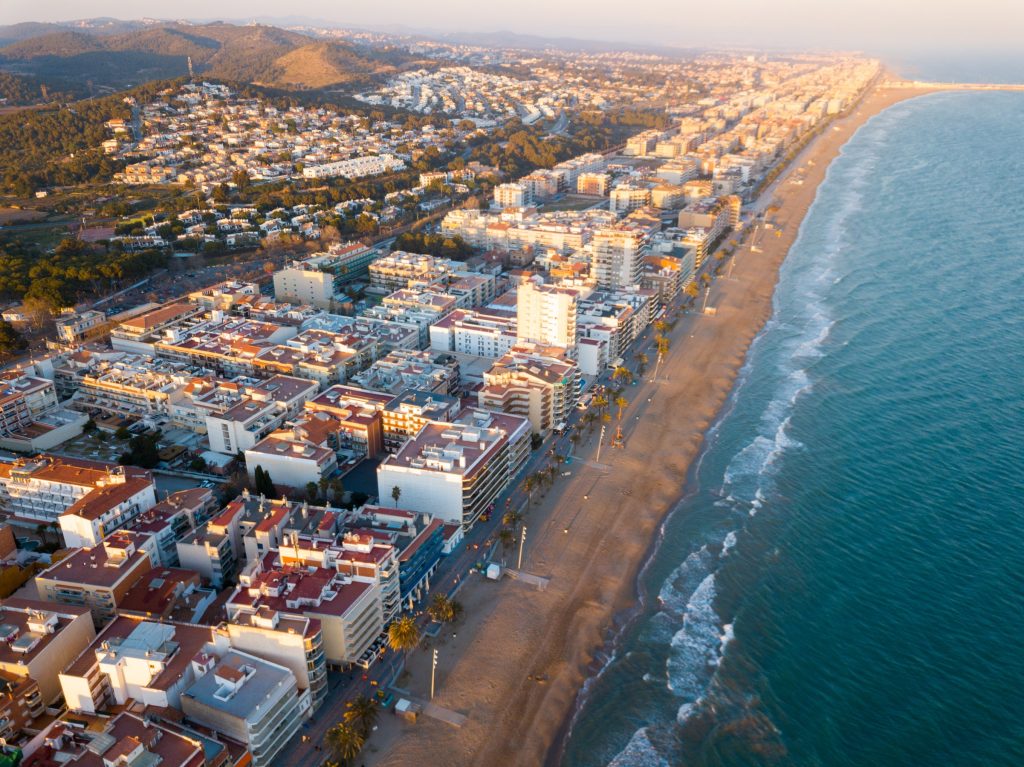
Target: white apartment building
(250, 700)
(456, 471)
(616, 258)
(355, 167)
(626, 198)
(546, 314)
(513, 195)
(256, 413)
(301, 284)
(482, 333)
(538, 383)
(594, 184)
(92, 499)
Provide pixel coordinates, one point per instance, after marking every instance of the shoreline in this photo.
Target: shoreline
(567, 634)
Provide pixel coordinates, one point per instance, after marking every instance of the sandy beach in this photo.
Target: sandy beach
(513, 634)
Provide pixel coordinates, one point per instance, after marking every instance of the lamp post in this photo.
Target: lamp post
(522, 542)
(433, 673)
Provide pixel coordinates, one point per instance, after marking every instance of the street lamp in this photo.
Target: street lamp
(522, 542)
(433, 672)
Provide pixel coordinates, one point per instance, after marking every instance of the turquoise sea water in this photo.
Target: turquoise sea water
(844, 584)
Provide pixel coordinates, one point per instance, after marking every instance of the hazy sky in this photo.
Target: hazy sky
(873, 25)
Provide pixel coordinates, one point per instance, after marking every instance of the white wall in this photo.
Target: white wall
(434, 492)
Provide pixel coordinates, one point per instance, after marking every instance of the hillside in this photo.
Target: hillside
(253, 54)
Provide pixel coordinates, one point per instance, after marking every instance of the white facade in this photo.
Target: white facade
(546, 315)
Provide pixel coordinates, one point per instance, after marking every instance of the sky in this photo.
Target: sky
(874, 26)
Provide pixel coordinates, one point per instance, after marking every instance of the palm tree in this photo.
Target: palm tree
(444, 610)
(362, 714)
(510, 518)
(337, 490)
(529, 485)
(507, 538)
(575, 439)
(620, 403)
(323, 484)
(622, 373)
(345, 742)
(396, 493)
(641, 363)
(600, 402)
(403, 634)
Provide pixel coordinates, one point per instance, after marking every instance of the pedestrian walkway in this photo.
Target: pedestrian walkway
(536, 580)
(434, 711)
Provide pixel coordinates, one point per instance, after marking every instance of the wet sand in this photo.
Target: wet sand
(512, 633)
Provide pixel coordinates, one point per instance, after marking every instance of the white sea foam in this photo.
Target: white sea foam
(639, 752)
(729, 543)
(695, 646)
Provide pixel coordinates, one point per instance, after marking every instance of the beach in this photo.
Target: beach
(515, 663)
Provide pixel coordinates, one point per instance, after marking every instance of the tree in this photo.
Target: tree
(507, 538)
(622, 373)
(444, 610)
(345, 742)
(620, 403)
(362, 713)
(403, 634)
(396, 493)
(641, 363)
(311, 491)
(511, 517)
(11, 341)
(264, 485)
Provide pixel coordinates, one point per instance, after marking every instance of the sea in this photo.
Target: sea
(843, 583)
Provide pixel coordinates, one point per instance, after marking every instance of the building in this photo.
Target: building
(23, 399)
(405, 415)
(350, 610)
(96, 498)
(117, 501)
(616, 258)
(124, 741)
(250, 700)
(626, 198)
(456, 471)
(480, 332)
(288, 638)
(133, 387)
(304, 283)
(168, 593)
(355, 167)
(255, 414)
(643, 143)
(75, 327)
(512, 195)
(134, 659)
(37, 641)
(139, 333)
(593, 184)
(97, 577)
(538, 383)
(546, 314)
(407, 369)
(399, 270)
